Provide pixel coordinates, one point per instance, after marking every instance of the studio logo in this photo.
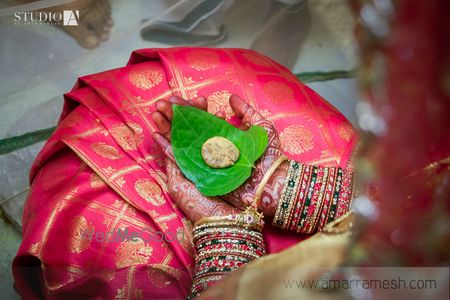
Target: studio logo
(71, 17)
(65, 18)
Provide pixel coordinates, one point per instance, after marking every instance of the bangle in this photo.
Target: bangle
(223, 244)
(312, 197)
(249, 218)
(288, 194)
(266, 178)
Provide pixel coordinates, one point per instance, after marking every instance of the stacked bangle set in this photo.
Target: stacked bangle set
(223, 244)
(312, 197)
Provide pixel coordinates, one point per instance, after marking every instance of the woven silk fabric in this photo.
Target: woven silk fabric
(101, 173)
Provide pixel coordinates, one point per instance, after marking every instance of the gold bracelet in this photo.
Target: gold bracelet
(249, 218)
(266, 178)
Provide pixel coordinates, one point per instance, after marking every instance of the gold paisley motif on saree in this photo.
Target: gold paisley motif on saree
(202, 60)
(81, 229)
(150, 191)
(128, 136)
(96, 182)
(278, 92)
(106, 151)
(296, 139)
(345, 132)
(133, 252)
(145, 79)
(219, 102)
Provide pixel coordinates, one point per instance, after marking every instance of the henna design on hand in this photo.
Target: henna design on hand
(245, 194)
(190, 200)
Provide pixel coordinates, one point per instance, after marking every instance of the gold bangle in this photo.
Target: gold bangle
(266, 178)
(249, 218)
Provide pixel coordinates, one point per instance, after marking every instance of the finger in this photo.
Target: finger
(252, 117)
(164, 144)
(201, 103)
(248, 114)
(162, 123)
(173, 170)
(238, 105)
(180, 101)
(190, 200)
(165, 108)
(220, 115)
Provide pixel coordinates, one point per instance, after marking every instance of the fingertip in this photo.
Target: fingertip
(178, 100)
(158, 118)
(236, 99)
(165, 108)
(220, 115)
(202, 102)
(234, 96)
(238, 105)
(157, 136)
(162, 123)
(174, 99)
(155, 116)
(160, 104)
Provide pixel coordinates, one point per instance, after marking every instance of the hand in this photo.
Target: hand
(185, 194)
(245, 194)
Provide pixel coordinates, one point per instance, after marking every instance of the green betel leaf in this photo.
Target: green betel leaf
(191, 127)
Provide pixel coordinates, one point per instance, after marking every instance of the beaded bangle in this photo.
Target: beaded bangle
(249, 218)
(303, 184)
(223, 244)
(312, 197)
(287, 195)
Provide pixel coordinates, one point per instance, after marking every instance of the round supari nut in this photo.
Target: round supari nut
(219, 152)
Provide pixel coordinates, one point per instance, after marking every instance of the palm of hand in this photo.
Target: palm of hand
(187, 197)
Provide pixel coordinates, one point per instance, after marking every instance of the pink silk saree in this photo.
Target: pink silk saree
(101, 173)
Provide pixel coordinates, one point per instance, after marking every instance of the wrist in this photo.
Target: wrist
(272, 190)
